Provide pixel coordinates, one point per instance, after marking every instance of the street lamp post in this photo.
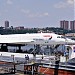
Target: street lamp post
(13, 62)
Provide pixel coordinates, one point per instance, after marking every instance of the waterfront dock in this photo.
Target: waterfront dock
(16, 64)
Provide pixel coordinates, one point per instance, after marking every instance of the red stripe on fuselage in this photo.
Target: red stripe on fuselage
(47, 36)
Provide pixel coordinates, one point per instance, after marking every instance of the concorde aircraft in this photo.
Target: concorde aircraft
(35, 38)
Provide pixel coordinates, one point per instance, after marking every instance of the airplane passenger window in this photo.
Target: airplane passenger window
(58, 36)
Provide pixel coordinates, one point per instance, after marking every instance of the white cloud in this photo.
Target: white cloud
(9, 2)
(64, 4)
(30, 14)
(46, 14)
(25, 11)
(60, 5)
(70, 1)
(38, 15)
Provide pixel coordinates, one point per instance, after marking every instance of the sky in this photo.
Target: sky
(36, 13)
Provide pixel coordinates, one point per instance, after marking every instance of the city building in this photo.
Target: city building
(6, 24)
(72, 25)
(64, 24)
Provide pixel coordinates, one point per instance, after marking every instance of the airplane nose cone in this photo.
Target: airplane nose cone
(69, 41)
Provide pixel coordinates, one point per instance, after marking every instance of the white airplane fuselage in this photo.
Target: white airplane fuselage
(36, 38)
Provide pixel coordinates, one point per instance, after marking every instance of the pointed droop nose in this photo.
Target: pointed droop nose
(69, 41)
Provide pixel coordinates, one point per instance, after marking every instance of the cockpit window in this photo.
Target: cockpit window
(62, 37)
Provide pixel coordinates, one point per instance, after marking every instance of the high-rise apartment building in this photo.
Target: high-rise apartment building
(6, 24)
(64, 24)
(72, 25)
